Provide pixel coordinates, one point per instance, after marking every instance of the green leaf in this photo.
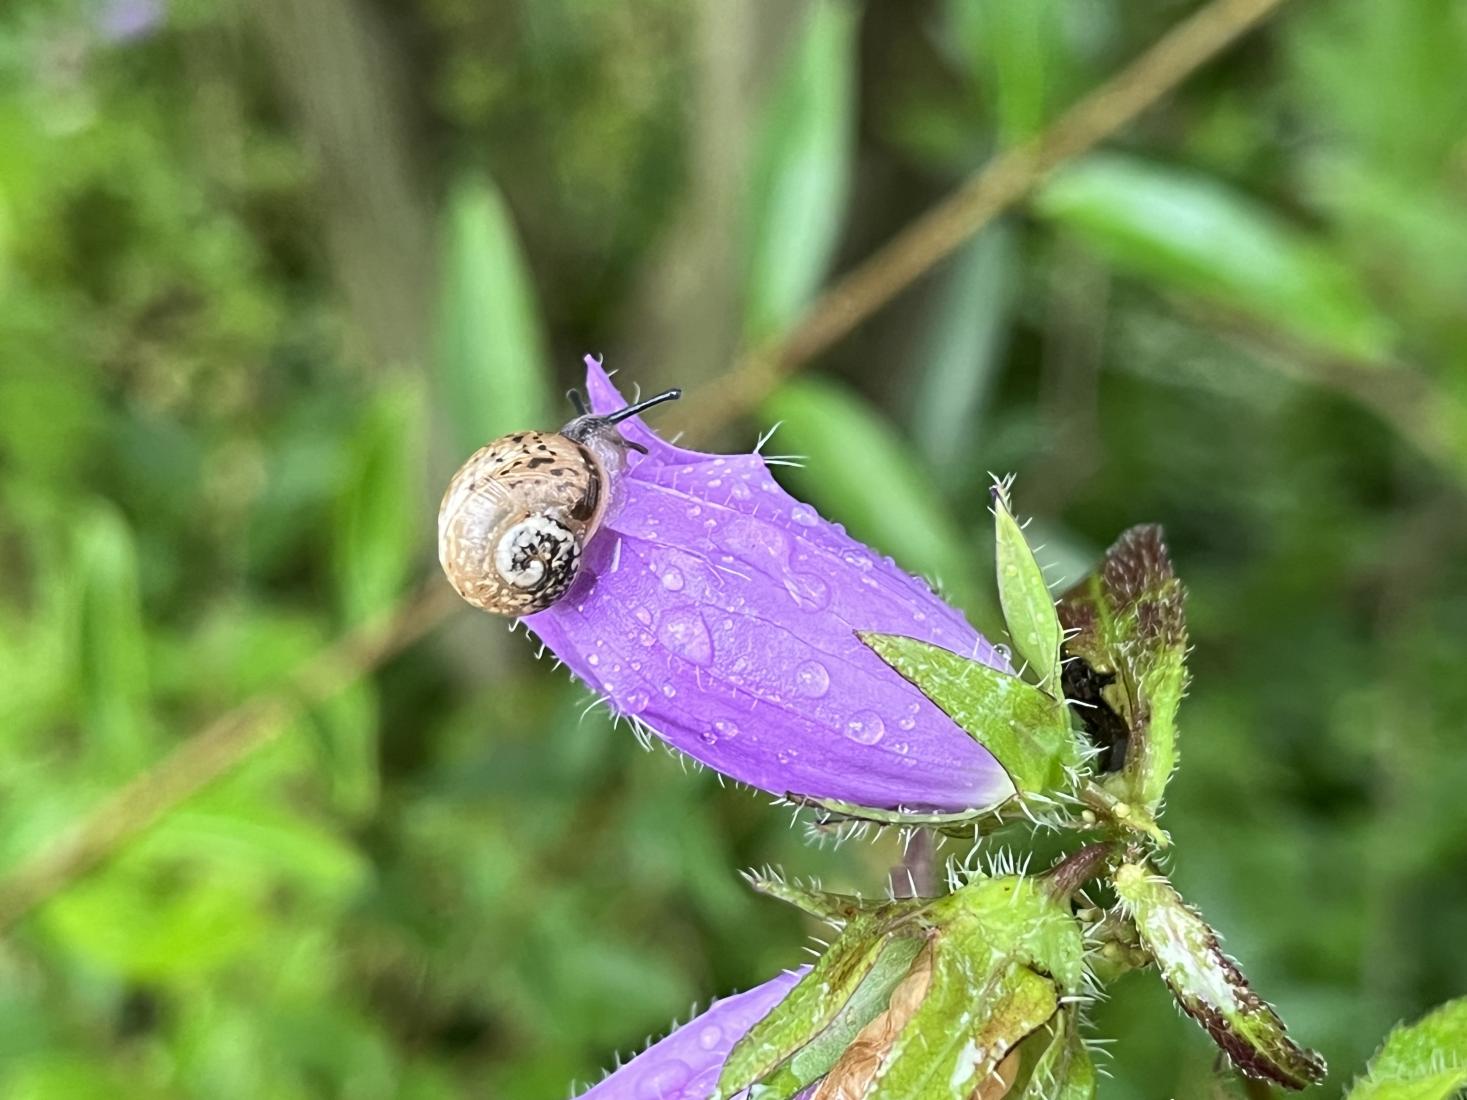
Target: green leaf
(1028, 608)
(859, 469)
(489, 353)
(1189, 233)
(1127, 668)
(1027, 731)
(112, 643)
(1063, 1070)
(1426, 1060)
(797, 196)
(1019, 49)
(960, 353)
(1207, 984)
(379, 513)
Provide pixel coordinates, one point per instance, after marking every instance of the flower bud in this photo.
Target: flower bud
(722, 614)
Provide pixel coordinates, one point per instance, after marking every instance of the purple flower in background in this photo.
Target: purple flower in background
(685, 1065)
(129, 20)
(721, 613)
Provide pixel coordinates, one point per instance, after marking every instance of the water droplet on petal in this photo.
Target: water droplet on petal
(695, 511)
(643, 616)
(669, 690)
(664, 1082)
(812, 680)
(726, 728)
(907, 723)
(672, 580)
(682, 631)
(865, 727)
(809, 592)
(594, 660)
(710, 1037)
(634, 702)
(740, 491)
(708, 737)
(804, 515)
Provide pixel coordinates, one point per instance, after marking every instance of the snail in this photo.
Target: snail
(518, 514)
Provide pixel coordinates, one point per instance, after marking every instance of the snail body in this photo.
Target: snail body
(517, 516)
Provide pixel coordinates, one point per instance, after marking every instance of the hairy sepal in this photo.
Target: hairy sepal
(1208, 985)
(1027, 730)
(1028, 608)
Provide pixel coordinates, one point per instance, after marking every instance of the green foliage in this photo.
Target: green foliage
(1189, 233)
(801, 169)
(444, 883)
(490, 355)
(1425, 1060)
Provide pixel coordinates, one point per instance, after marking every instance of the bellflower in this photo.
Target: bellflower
(722, 614)
(686, 1064)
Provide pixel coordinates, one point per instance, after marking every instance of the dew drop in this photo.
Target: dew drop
(634, 702)
(740, 491)
(672, 580)
(643, 616)
(646, 639)
(710, 1037)
(1002, 652)
(809, 592)
(812, 679)
(694, 511)
(804, 515)
(907, 723)
(667, 1080)
(594, 659)
(865, 727)
(669, 690)
(708, 737)
(726, 728)
(682, 631)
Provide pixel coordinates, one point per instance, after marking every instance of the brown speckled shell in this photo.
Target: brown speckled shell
(514, 479)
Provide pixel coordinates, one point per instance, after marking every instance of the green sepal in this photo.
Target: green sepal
(1027, 731)
(1426, 1060)
(1028, 607)
(1063, 1069)
(958, 823)
(812, 1061)
(964, 1029)
(820, 996)
(1126, 662)
(821, 904)
(1208, 985)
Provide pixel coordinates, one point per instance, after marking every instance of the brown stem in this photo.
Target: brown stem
(1074, 871)
(916, 875)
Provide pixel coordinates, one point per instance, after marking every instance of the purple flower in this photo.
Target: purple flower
(685, 1065)
(721, 613)
(129, 20)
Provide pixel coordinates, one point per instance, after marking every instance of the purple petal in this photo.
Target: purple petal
(722, 613)
(685, 1065)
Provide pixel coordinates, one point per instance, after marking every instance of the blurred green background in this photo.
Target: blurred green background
(269, 270)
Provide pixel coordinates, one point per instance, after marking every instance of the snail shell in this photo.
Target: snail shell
(516, 517)
(518, 514)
